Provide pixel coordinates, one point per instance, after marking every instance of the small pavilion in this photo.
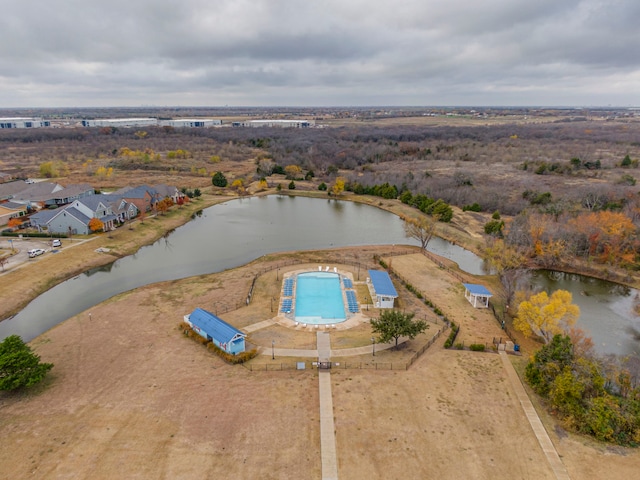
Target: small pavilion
(383, 289)
(477, 295)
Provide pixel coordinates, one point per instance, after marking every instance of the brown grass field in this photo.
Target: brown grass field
(131, 397)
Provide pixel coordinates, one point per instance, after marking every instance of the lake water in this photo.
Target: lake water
(606, 309)
(226, 236)
(236, 232)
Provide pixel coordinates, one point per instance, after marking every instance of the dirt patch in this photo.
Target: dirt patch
(131, 397)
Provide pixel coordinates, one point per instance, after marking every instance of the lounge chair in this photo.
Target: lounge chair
(327, 269)
(335, 269)
(319, 268)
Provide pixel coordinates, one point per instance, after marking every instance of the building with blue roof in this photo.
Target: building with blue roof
(477, 295)
(382, 289)
(211, 327)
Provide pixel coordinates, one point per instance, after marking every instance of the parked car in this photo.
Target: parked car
(56, 242)
(35, 252)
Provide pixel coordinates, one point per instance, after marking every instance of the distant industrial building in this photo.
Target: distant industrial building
(23, 122)
(121, 122)
(275, 123)
(190, 122)
(152, 122)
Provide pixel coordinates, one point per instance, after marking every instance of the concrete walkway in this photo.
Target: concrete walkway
(327, 428)
(534, 420)
(258, 326)
(343, 352)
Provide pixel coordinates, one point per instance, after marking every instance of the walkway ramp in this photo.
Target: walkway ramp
(534, 420)
(327, 427)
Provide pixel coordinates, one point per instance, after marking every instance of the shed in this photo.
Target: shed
(211, 327)
(477, 295)
(383, 289)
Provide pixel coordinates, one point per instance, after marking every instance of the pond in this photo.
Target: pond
(221, 237)
(236, 232)
(607, 310)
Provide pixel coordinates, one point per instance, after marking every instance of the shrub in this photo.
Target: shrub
(452, 335)
(475, 207)
(494, 227)
(227, 357)
(477, 347)
(232, 359)
(219, 180)
(459, 346)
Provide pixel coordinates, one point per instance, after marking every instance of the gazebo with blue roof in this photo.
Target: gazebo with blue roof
(211, 327)
(473, 293)
(383, 289)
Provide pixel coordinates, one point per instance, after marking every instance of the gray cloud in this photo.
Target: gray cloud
(327, 52)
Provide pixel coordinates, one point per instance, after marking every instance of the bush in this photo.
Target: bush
(494, 227)
(472, 208)
(232, 359)
(219, 180)
(452, 335)
(459, 346)
(477, 347)
(227, 357)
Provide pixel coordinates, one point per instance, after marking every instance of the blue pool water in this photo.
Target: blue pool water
(319, 298)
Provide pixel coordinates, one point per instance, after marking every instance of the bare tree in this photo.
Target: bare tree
(422, 229)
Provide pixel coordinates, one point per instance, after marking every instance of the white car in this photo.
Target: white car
(35, 252)
(56, 242)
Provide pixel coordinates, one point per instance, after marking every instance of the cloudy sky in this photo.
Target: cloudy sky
(319, 53)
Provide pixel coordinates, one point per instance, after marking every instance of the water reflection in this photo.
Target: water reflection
(607, 310)
(233, 233)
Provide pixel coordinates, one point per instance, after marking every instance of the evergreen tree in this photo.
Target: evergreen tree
(19, 366)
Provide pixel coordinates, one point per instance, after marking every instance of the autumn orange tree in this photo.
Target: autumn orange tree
(609, 236)
(95, 225)
(14, 222)
(163, 205)
(546, 316)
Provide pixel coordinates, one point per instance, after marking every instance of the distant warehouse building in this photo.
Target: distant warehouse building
(275, 123)
(190, 122)
(121, 122)
(23, 122)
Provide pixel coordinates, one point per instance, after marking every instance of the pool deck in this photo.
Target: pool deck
(287, 319)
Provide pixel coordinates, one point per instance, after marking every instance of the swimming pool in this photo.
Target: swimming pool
(319, 298)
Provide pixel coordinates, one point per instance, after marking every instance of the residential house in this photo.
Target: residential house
(36, 194)
(122, 209)
(143, 197)
(9, 210)
(169, 191)
(9, 190)
(75, 218)
(69, 194)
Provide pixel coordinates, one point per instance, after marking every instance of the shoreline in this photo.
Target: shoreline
(129, 242)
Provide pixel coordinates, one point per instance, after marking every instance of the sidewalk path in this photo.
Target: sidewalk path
(258, 326)
(534, 420)
(327, 427)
